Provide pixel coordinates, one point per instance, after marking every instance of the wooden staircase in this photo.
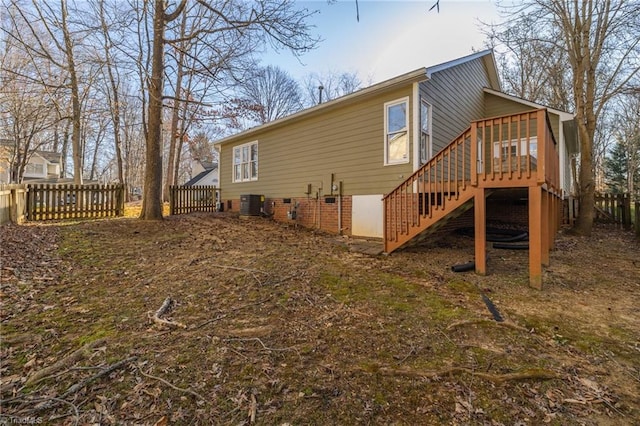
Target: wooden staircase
(432, 194)
(517, 150)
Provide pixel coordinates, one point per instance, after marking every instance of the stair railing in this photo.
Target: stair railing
(491, 153)
(428, 189)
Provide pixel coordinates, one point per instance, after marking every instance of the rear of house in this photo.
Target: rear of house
(329, 167)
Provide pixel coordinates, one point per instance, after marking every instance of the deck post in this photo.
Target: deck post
(547, 226)
(474, 155)
(480, 225)
(535, 237)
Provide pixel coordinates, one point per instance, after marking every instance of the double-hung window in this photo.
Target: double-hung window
(396, 129)
(425, 131)
(245, 162)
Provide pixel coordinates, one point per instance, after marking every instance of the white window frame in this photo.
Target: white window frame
(244, 164)
(518, 148)
(429, 133)
(407, 156)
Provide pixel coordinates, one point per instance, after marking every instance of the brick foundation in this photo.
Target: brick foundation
(310, 212)
(323, 213)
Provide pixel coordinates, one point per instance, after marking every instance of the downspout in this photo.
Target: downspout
(340, 208)
(319, 209)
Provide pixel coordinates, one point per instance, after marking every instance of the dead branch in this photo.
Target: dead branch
(160, 379)
(164, 309)
(532, 374)
(67, 361)
(256, 339)
(253, 408)
(507, 324)
(219, 317)
(253, 272)
(80, 385)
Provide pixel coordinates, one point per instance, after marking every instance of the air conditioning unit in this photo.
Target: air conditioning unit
(251, 205)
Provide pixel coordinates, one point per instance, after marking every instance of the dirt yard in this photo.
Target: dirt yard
(275, 325)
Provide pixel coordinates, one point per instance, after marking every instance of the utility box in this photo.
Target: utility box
(251, 205)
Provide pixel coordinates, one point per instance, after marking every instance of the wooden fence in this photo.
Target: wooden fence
(614, 208)
(13, 203)
(188, 199)
(51, 202)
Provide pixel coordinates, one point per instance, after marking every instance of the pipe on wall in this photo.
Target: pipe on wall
(340, 208)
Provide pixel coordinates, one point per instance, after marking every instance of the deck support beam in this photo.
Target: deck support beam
(480, 225)
(547, 225)
(535, 237)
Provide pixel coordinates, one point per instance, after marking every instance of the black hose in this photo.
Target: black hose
(509, 239)
(511, 246)
(464, 267)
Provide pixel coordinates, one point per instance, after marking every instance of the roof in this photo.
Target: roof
(566, 118)
(208, 165)
(420, 74)
(50, 156)
(387, 85)
(194, 180)
(564, 115)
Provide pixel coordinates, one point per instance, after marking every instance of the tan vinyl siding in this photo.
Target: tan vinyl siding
(496, 106)
(347, 141)
(456, 95)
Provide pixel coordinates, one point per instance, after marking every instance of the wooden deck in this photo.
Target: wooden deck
(514, 151)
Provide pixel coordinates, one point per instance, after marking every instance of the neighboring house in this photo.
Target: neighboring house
(204, 173)
(395, 159)
(41, 166)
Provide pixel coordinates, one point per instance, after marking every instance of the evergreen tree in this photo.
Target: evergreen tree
(616, 169)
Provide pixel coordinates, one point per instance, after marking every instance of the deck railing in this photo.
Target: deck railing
(516, 150)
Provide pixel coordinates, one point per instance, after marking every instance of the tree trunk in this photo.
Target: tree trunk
(75, 98)
(151, 199)
(175, 116)
(584, 221)
(115, 96)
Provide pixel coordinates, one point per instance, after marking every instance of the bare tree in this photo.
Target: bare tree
(277, 22)
(273, 93)
(45, 34)
(330, 85)
(600, 40)
(28, 111)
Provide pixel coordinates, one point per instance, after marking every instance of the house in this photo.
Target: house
(204, 173)
(41, 165)
(403, 157)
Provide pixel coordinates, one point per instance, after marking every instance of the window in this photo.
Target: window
(34, 169)
(396, 127)
(425, 131)
(515, 148)
(245, 162)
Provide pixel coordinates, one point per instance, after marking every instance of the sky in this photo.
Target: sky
(391, 38)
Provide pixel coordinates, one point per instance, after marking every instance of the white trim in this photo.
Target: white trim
(562, 158)
(457, 61)
(416, 126)
(430, 121)
(233, 164)
(564, 116)
(404, 100)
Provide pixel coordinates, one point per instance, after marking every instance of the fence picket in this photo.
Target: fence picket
(189, 199)
(54, 202)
